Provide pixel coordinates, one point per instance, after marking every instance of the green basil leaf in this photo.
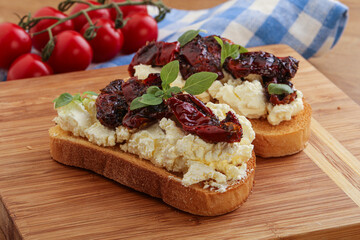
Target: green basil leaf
(172, 90)
(63, 99)
(278, 88)
(150, 99)
(229, 50)
(220, 42)
(233, 50)
(153, 89)
(135, 104)
(187, 37)
(90, 93)
(223, 50)
(169, 73)
(199, 82)
(242, 50)
(77, 97)
(159, 93)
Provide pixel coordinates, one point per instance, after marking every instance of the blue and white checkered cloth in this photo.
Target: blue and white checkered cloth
(311, 27)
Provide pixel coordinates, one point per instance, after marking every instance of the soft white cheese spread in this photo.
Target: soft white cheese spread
(282, 112)
(166, 145)
(74, 118)
(100, 135)
(247, 98)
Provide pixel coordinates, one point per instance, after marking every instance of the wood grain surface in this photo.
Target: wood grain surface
(339, 64)
(309, 195)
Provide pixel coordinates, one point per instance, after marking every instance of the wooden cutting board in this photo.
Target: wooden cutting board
(313, 194)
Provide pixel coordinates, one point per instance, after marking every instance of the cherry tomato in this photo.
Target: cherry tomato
(80, 21)
(39, 41)
(14, 41)
(127, 9)
(27, 66)
(108, 41)
(139, 29)
(71, 53)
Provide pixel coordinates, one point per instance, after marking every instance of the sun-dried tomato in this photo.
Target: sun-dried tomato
(156, 54)
(282, 98)
(111, 105)
(196, 118)
(139, 118)
(264, 64)
(272, 69)
(277, 99)
(202, 54)
(142, 117)
(132, 89)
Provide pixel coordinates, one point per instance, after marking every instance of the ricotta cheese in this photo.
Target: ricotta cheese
(220, 110)
(74, 118)
(142, 71)
(245, 97)
(166, 145)
(122, 134)
(248, 98)
(100, 135)
(282, 112)
(79, 117)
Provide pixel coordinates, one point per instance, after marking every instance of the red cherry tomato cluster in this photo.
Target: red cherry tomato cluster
(72, 52)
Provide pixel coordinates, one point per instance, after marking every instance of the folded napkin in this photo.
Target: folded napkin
(311, 27)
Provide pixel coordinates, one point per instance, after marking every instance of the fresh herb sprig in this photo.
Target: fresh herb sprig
(229, 50)
(195, 84)
(66, 98)
(188, 36)
(279, 88)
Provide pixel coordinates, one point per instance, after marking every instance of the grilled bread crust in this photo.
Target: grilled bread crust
(142, 175)
(289, 137)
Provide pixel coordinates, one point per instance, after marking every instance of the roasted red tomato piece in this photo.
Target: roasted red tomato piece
(141, 117)
(282, 98)
(111, 105)
(202, 54)
(264, 64)
(156, 54)
(134, 87)
(272, 69)
(198, 119)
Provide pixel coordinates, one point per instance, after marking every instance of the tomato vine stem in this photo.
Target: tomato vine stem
(27, 22)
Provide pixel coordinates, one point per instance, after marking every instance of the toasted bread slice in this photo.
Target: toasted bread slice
(143, 176)
(287, 138)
